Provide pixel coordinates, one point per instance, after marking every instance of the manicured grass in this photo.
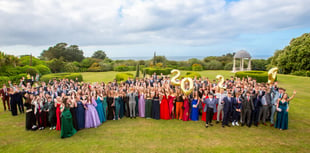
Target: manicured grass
(148, 135)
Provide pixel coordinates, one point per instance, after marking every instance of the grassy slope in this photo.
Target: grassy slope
(143, 135)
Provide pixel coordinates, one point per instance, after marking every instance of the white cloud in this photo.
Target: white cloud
(120, 22)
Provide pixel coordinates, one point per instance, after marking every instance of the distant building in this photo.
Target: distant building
(242, 54)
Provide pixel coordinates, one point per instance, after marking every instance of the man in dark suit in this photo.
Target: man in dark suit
(4, 94)
(247, 108)
(227, 101)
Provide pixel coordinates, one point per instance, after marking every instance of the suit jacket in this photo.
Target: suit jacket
(248, 104)
(5, 96)
(228, 104)
(213, 102)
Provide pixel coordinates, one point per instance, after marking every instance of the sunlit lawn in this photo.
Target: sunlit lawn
(147, 135)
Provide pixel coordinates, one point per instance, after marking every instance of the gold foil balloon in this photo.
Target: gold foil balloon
(272, 74)
(221, 81)
(173, 79)
(190, 88)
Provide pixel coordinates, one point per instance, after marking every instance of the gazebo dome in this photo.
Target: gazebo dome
(242, 54)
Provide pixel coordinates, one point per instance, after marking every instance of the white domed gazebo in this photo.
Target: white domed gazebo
(242, 54)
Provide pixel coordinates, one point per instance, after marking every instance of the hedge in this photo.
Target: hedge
(69, 76)
(197, 67)
(16, 78)
(123, 76)
(192, 74)
(43, 69)
(158, 71)
(4, 80)
(29, 69)
(260, 76)
(301, 73)
(121, 68)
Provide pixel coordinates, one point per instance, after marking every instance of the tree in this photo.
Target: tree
(56, 65)
(99, 54)
(70, 54)
(295, 56)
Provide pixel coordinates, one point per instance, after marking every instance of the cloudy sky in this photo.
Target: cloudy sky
(139, 27)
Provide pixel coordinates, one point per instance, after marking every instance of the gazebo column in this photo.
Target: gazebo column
(240, 64)
(242, 61)
(249, 65)
(234, 65)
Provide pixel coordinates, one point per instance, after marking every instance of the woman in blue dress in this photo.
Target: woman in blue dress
(99, 107)
(195, 109)
(282, 115)
(80, 112)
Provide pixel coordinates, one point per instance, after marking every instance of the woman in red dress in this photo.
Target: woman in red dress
(171, 104)
(186, 109)
(204, 114)
(164, 107)
(58, 113)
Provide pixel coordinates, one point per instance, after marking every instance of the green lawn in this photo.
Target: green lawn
(147, 135)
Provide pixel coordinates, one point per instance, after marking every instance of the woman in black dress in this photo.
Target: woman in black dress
(73, 106)
(156, 106)
(13, 101)
(30, 118)
(110, 107)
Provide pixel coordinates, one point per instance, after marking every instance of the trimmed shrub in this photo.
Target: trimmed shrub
(43, 69)
(25, 60)
(4, 80)
(192, 75)
(69, 76)
(95, 67)
(16, 78)
(260, 76)
(123, 76)
(301, 73)
(131, 68)
(71, 67)
(197, 67)
(185, 68)
(151, 71)
(29, 69)
(121, 68)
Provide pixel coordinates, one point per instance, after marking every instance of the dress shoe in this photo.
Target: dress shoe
(223, 126)
(217, 122)
(211, 124)
(237, 124)
(207, 126)
(265, 124)
(233, 123)
(242, 124)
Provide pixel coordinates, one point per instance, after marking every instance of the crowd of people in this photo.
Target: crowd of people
(70, 105)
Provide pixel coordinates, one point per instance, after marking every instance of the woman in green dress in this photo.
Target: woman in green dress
(105, 105)
(282, 115)
(67, 129)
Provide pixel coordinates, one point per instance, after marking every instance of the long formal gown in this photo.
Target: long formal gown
(117, 107)
(110, 108)
(105, 107)
(204, 114)
(30, 118)
(13, 104)
(148, 108)
(185, 110)
(91, 115)
(80, 115)
(195, 111)
(122, 107)
(282, 117)
(99, 109)
(67, 129)
(164, 109)
(74, 119)
(58, 113)
(156, 108)
(171, 105)
(141, 106)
